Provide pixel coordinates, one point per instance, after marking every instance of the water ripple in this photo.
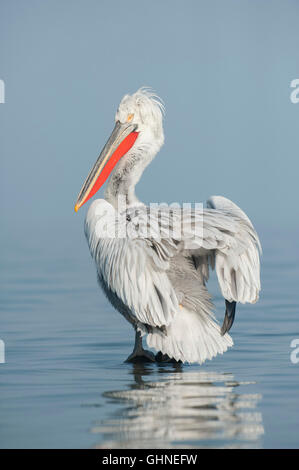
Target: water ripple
(184, 409)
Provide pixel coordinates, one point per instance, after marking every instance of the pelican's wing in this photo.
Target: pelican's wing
(133, 268)
(221, 236)
(134, 258)
(236, 252)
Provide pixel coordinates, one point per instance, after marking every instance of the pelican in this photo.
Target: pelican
(157, 279)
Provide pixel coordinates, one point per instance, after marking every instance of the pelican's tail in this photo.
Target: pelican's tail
(190, 338)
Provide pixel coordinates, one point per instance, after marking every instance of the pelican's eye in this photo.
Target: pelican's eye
(130, 117)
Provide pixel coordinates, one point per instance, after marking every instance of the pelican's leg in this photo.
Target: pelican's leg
(140, 354)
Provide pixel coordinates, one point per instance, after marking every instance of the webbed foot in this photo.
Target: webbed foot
(141, 355)
(160, 357)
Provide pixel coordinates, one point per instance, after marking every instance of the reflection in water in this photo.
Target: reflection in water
(183, 409)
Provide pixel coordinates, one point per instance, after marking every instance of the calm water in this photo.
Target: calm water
(64, 383)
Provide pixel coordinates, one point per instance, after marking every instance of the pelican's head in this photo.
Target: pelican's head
(135, 139)
(143, 110)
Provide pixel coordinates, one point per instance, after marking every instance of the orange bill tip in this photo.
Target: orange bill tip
(76, 208)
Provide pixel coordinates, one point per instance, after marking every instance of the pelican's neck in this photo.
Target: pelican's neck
(120, 192)
(127, 173)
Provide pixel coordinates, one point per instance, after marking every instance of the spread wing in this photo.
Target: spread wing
(134, 257)
(221, 236)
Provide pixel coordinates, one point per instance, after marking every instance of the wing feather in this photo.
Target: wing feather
(135, 266)
(131, 267)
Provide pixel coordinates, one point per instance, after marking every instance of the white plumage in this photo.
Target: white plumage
(156, 279)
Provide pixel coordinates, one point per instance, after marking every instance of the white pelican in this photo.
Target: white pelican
(158, 283)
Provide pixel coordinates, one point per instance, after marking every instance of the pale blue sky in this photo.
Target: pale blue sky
(223, 69)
